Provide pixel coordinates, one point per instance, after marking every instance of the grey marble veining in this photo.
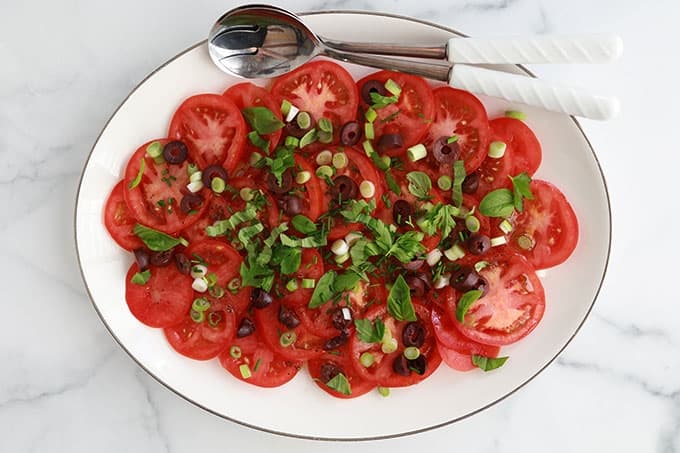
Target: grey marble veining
(66, 386)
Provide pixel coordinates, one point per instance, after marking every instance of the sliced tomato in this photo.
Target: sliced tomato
(266, 368)
(449, 336)
(454, 359)
(546, 231)
(156, 200)
(247, 94)
(339, 362)
(381, 372)
(224, 261)
(410, 116)
(513, 306)
(311, 267)
(323, 89)
(202, 340)
(119, 220)
(163, 300)
(306, 345)
(212, 127)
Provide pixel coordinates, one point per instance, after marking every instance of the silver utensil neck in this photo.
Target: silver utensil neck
(434, 52)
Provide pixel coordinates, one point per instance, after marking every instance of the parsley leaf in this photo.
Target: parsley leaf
(370, 332)
(340, 384)
(399, 303)
(465, 302)
(520, 190)
(262, 120)
(488, 363)
(440, 217)
(407, 246)
(255, 274)
(280, 163)
(419, 184)
(323, 291)
(497, 203)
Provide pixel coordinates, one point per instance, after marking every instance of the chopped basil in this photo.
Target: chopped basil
(457, 186)
(419, 184)
(465, 302)
(140, 278)
(303, 224)
(370, 332)
(135, 182)
(488, 363)
(262, 120)
(399, 303)
(497, 203)
(340, 384)
(156, 240)
(521, 190)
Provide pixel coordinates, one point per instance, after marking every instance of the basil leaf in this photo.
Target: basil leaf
(370, 333)
(497, 203)
(340, 384)
(488, 363)
(457, 185)
(392, 183)
(346, 282)
(262, 120)
(291, 260)
(303, 224)
(419, 184)
(465, 301)
(155, 240)
(140, 278)
(323, 292)
(521, 190)
(399, 303)
(362, 250)
(135, 182)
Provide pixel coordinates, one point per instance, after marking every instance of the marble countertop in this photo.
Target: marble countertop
(65, 385)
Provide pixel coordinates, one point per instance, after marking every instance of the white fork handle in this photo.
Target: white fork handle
(600, 48)
(534, 92)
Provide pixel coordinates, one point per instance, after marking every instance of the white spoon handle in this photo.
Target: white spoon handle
(600, 48)
(534, 92)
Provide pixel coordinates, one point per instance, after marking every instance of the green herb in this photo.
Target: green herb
(407, 246)
(289, 259)
(220, 227)
(419, 184)
(488, 363)
(257, 365)
(440, 217)
(386, 200)
(255, 274)
(379, 101)
(156, 240)
(262, 120)
(340, 384)
(346, 282)
(303, 224)
(521, 190)
(390, 117)
(465, 302)
(457, 186)
(324, 290)
(392, 183)
(370, 332)
(140, 278)
(135, 182)
(399, 303)
(280, 163)
(258, 141)
(497, 203)
(246, 234)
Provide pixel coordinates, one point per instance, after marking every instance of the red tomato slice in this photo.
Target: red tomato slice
(119, 220)
(306, 346)
(523, 147)
(224, 261)
(511, 309)
(458, 113)
(323, 89)
(546, 232)
(455, 359)
(447, 334)
(212, 127)
(163, 300)
(267, 369)
(381, 371)
(156, 200)
(342, 362)
(311, 266)
(410, 116)
(200, 340)
(247, 94)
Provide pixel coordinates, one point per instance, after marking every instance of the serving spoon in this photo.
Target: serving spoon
(256, 41)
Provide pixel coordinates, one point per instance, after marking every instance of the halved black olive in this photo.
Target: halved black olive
(286, 182)
(445, 153)
(471, 183)
(344, 187)
(213, 171)
(260, 298)
(290, 205)
(288, 318)
(350, 134)
(183, 264)
(161, 258)
(372, 86)
(388, 142)
(464, 279)
(413, 334)
(401, 212)
(478, 244)
(245, 328)
(336, 342)
(175, 152)
(142, 258)
(339, 320)
(190, 202)
(400, 365)
(328, 371)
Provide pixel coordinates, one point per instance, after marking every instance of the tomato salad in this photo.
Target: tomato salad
(364, 230)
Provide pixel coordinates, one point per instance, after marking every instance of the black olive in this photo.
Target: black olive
(413, 334)
(245, 328)
(344, 187)
(161, 258)
(338, 318)
(336, 342)
(388, 142)
(471, 183)
(464, 279)
(445, 153)
(288, 318)
(211, 172)
(414, 265)
(183, 264)
(328, 371)
(190, 202)
(400, 365)
(418, 365)
(175, 152)
(260, 298)
(286, 182)
(290, 205)
(482, 285)
(350, 134)
(142, 258)
(294, 130)
(419, 284)
(478, 244)
(372, 86)
(401, 212)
